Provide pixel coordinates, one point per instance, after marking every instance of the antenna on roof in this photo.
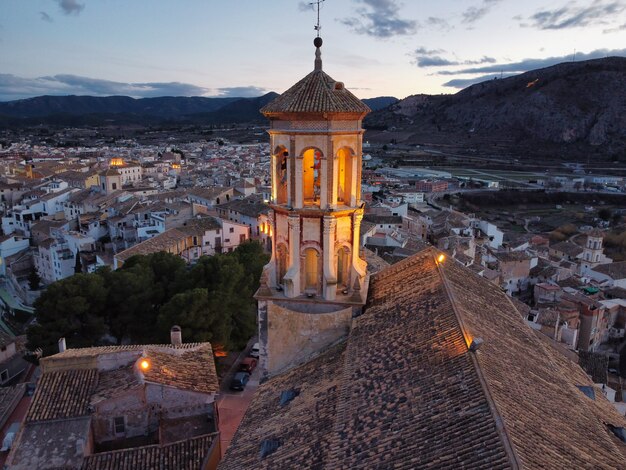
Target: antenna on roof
(317, 27)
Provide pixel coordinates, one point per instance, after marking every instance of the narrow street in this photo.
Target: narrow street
(232, 406)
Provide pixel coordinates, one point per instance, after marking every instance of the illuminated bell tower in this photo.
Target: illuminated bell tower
(316, 269)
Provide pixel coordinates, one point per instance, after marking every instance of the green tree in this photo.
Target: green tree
(230, 288)
(130, 312)
(200, 319)
(253, 258)
(167, 271)
(72, 308)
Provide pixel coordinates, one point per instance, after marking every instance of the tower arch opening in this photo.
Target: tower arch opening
(345, 157)
(311, 176)
(281, 155)
(311, 270)
(281, 262)
(343, 267)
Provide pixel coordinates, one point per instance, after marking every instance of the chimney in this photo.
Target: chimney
(176, 336)
(62, 345)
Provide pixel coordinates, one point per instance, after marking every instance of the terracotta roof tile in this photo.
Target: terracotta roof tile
(530, 382)
(316, 93)
(189, 454)
(63, 394)
(404, 391)
(188, 370)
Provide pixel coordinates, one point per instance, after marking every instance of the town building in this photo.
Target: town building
(198, 237)
(389, 384)
(120, 406)
(316, 276)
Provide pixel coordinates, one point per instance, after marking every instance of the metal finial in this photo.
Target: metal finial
(317, 3)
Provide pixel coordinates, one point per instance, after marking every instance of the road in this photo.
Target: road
(232, 406)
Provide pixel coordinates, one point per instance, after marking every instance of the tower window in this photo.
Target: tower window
(343, 266)
(311, 269)
(281, 175)
(311, 176)
(344, 175)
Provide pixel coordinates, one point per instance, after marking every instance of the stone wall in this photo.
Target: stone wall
(293, 336)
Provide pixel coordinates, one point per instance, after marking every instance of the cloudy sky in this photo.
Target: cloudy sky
(146, 48)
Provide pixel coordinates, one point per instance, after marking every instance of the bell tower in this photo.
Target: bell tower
(316, 279)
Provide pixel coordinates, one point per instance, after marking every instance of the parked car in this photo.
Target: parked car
(254, 352)
(239, 381)
(248, 365)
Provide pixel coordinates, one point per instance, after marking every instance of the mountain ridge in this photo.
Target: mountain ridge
(94, 110)
(572, 107)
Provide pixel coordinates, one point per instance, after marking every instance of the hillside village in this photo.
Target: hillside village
(81, 209)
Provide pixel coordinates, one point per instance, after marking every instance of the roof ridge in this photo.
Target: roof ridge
(506, 439)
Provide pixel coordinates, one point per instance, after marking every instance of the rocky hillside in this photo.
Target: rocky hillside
(570, 109)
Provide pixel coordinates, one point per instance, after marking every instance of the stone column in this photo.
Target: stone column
(298, 194)
(292, 175)
(292, 278)
(359, 157)
(332, 174)
(274, 176)
(358, 264)
(328, 262)
(355, 175)
(324, 182)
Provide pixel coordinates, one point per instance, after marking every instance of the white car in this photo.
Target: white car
(254, 352)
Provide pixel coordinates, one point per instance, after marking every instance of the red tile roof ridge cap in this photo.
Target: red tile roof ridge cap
(505, 437)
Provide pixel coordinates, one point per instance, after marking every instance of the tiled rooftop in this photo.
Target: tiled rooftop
(63, 394)
(614, 270)
(192, 370)
(316, 93)
(189, 454)
(404, 391)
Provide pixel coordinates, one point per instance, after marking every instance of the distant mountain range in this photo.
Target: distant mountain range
(570, 109)
(92, 110)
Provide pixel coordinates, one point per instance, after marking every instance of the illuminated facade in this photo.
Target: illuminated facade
(316, 150)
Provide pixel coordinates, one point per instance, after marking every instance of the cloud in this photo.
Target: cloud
(600, 12)
(13, 87)
(423, 57)
(515, 68)
(465, 82)
(241, 92)
(381, 19)
(45, 17)
(473, 14)
(530, 64)
(616, 29)
(439, 23)
(70, 7)
(305, 6)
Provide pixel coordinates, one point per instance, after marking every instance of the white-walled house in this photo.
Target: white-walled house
(198, 237)
(495, 235)
(613, 274)
(9, 245)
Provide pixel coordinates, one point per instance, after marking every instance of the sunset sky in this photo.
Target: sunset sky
(249, 47)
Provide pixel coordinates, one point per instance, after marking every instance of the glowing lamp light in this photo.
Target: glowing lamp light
(441, 258)
(144, 365)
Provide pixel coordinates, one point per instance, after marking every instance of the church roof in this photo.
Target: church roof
(316, 93)
(404, 391)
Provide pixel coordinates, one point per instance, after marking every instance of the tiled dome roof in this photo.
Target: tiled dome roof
(316, 93)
